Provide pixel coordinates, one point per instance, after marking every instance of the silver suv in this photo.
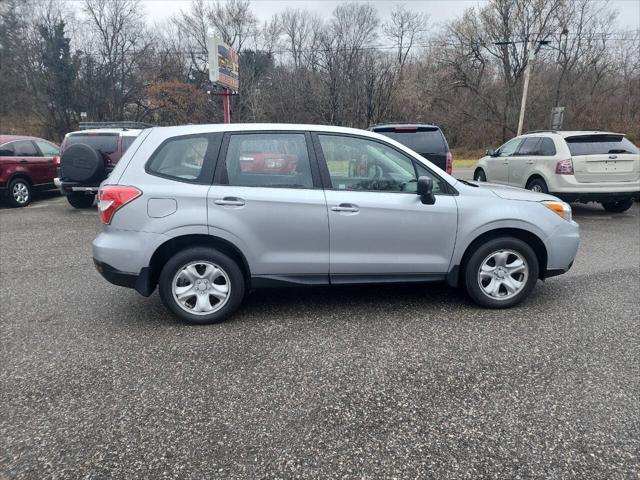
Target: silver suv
(209, 212)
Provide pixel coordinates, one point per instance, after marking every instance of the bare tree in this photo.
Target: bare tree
(405, 28)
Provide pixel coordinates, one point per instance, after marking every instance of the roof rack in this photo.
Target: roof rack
(541, 131)
(122, 125)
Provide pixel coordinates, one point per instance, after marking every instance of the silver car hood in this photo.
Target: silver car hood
(515, 193)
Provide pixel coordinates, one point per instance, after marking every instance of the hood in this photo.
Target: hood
(515, 193)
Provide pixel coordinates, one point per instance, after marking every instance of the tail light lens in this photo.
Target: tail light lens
(564, 167)
(56, 160)
(112, 198)
(449, 163)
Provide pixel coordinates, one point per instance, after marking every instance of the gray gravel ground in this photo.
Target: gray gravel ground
(376, 382)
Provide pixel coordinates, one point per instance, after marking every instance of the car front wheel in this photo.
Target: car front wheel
(618, 207)
(201, 285)
(501, 272)
(19, 192)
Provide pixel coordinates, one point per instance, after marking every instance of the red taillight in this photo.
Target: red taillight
(564, 167)
(449, 163)
(56, 159)
(112, 198)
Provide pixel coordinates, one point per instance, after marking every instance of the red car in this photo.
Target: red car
(26, 164)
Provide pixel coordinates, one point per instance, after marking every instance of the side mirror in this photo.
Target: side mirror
(491, 152)
(425, 190)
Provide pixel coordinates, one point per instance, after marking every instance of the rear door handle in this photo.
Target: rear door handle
(530, 162)
(346, 207)
(230, 201)
(23, 161)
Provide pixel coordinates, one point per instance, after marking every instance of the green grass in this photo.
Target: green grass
(464, 163)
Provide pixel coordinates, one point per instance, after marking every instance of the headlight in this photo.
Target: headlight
(561, 208)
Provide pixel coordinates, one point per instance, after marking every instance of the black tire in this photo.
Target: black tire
(81, 200)
(537, 185)
(202, 254)
(618, 207)
(20, 192)
(479, 175)
(82, 163)
(484, 250)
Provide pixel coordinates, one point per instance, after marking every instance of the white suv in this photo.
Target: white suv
(586, 166)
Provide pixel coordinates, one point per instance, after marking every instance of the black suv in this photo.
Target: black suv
(427, 140)
(89, 155)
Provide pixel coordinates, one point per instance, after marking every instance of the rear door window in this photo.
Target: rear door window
(600, 145)
(420, 140)
(267, 160)
(529, 147)
(25, 148)
(104, 143)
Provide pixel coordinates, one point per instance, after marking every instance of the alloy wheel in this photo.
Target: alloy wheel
(503, 274)
(201, 288)
(20, 192)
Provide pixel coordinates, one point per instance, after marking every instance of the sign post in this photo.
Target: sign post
(223, 71)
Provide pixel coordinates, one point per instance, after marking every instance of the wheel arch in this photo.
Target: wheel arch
(169, 248)
(526, 236)
(534, 176)
(20, 174)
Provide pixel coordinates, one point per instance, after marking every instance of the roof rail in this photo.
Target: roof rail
(541, 131)
(123, 125)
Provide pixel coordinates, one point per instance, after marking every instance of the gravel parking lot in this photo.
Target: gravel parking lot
(366, 382)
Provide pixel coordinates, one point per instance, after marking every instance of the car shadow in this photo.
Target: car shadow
(581, 210)
(38, 197)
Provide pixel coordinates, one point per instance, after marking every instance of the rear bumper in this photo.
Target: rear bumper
(69, 187)
(596, 196)
(141, 283)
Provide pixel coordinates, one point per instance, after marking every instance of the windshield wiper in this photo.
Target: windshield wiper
(466, 182)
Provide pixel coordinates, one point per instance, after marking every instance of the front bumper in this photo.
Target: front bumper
(562, 247)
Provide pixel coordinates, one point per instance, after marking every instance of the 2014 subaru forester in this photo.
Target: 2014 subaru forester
(209, 212)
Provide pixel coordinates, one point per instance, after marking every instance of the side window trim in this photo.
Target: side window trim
(326, 176)
(208, 166)
(220, 174)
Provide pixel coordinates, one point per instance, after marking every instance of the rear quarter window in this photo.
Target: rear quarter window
(600, 145)
(187, 158)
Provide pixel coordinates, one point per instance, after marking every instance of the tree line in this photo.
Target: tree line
(351, 68)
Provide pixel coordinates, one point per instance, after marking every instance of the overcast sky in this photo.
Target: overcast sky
(438, 10)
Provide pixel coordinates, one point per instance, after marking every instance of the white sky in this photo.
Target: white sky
(438, 10)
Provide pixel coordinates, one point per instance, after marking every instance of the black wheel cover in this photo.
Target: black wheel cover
(82, 163)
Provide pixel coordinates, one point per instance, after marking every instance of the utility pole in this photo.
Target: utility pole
(533, 50)
(525, 88)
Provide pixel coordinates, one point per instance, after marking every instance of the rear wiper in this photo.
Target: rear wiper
(466, 182)
(619, 151)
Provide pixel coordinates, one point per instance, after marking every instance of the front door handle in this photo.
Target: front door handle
(23, 161)
(346, 207)
(230, 201)
(530, 162)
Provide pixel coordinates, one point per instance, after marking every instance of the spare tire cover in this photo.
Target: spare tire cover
(81, 163)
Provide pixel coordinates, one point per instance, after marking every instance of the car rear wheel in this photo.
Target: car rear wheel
(201, 285)
(501, 272)
(618, 207)
(19, 192)
(81, 200)
(537, 185)
(479, 176)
